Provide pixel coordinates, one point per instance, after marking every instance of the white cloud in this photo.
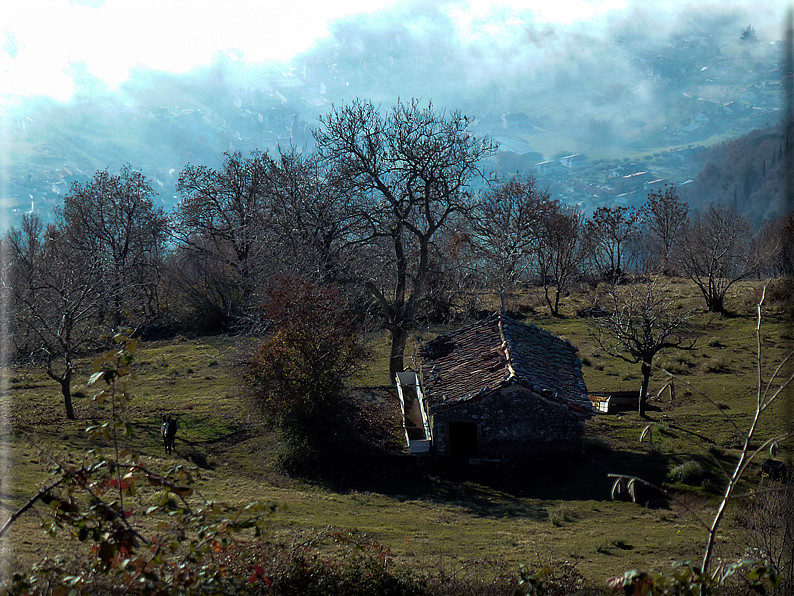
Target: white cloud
(174, 36)
(109, 38)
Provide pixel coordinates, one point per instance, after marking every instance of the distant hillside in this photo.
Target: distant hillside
(748, 173)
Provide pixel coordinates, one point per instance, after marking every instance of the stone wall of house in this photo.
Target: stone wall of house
(514, 423)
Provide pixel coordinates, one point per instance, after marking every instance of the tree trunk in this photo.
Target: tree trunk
(399, 337)
(555, 312)
(646, 377)
(716, 304)
(66, 391)
(65, 382)
(548, 298)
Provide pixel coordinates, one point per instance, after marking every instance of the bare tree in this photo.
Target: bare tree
(642, 323)
(767, 523)
(57, 291)
(455, 284)
(224, 215)
(112, 218)
(776, 246)
(718, 251)
(409, 170)
(503, 222)
(612, 231)
(559, 250)
(316, 225)
(200, 291)
(222, 212)
(664, 216)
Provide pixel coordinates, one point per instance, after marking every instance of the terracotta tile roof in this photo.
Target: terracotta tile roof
(475, 360)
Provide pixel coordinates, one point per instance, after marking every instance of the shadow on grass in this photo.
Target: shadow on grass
(495, 490)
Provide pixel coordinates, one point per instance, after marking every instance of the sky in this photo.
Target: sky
(46, 44)
(41, 41)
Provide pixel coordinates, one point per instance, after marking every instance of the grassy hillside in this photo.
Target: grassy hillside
(459, 517)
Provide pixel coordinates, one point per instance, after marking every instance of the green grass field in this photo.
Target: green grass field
(433, 515)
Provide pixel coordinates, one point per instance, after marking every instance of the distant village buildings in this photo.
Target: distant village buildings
(573, 161)
(516, 120)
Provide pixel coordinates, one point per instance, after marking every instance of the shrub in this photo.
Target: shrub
(297, 376)
(557, 578)
(603, 547)
(596, 445)
(767, 523)
(686, 579)
(360, 566)
(622, 544)
(199, 458)
(560, 514)
(690, 472)
(677, 369)
(653, 450)
(718, 365)
(367, 573)
(165, 500)
(778, 291)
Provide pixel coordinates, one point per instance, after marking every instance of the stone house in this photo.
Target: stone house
(502, 390)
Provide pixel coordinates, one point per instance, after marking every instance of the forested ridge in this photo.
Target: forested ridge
(748, 173)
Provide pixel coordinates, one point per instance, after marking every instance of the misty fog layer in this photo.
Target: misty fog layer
(628, 88)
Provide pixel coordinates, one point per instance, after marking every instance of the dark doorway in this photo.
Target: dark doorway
(464, 439)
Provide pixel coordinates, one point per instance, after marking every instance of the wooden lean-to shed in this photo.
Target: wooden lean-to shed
(499, 389)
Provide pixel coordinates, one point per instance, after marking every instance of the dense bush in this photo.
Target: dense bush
(297, 376)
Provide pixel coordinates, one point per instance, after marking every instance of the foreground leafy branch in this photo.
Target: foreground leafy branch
(92, 502)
